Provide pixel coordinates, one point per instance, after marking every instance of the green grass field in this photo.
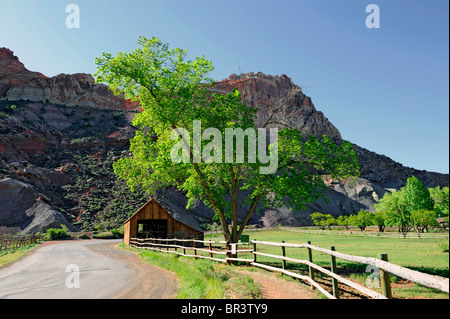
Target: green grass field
(424, 255)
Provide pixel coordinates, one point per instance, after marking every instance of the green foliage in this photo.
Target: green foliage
(441, 200)
(413, 206)
(323, 220)
(57, 233)
(174, 92)
(416, 195)
(362, 219)
(379, 219)
(395, 210)
(422, 219)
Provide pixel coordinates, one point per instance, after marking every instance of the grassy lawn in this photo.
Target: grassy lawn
(423, 255)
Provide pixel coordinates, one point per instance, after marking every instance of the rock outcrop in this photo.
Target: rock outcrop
(74, 90)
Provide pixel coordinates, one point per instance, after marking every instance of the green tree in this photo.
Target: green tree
(344, 220)
(174, 93)
(362, 219)
(416, 195)
(422, 219)
(396, 211)
(323, 220)
(441, 200)
(379, 219)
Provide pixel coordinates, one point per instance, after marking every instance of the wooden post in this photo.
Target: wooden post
(283, 250)
(228, 248)
(195, 250)
(184, 248)
(311, 270)
(211, 251)
(385, 279)
(334, 270)
(254, 249)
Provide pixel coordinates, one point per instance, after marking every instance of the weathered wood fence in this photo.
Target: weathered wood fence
(10, 242)
(223, 251)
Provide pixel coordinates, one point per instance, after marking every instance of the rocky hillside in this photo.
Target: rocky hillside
(59, 137)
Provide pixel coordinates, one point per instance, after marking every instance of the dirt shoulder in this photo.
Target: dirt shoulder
(275, 287)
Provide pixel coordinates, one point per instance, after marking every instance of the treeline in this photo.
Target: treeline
(412, 207)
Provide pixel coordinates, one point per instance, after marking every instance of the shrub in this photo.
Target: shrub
(104, 235)
(57, 233)
(443, 246)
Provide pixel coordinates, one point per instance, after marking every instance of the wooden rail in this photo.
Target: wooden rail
(427, 280)
(17, 241)
(229, 253)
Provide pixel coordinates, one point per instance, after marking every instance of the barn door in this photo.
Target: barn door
(152, 228)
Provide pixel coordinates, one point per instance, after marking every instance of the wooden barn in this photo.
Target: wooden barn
(155, 221)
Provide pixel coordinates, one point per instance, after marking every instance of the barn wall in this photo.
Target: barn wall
(153, 210)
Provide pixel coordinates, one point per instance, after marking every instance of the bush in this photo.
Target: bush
(443, 246)
(83, 236)
(57, 233)
(105, 235)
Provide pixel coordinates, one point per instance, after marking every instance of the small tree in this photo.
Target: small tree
(441, 200)
(422, 219)
(416, 195)
(395, 210)
(379, 219)
(322, 220)
(362, 219)
(344, 220)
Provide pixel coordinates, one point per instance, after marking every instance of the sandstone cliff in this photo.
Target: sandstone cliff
(17, 83)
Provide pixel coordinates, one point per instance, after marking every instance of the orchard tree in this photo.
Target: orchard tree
(422, 219)
(362, 219)
(323, 220)
(441, 200)
(395, 210)
(171, 149)
(416, 195)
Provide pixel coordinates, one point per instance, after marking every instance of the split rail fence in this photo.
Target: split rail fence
(222, 251)
(14, 242)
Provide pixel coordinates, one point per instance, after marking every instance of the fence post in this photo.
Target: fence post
(195, 249)
(184, 248)
(254, 249)
(311, 270)
(211, 250)
(385, 279)
(283, 250)
(334, 270)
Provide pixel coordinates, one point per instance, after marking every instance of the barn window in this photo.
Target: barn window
(152, 228)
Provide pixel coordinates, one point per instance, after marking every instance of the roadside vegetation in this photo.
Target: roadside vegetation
(12, 255)
(202, 279)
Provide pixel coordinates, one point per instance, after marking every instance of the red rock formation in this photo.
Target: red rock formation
(279, 96)
(18, 83)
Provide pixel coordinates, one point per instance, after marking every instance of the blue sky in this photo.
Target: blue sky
(385, 89)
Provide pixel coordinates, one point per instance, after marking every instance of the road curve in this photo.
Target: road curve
(84, 269)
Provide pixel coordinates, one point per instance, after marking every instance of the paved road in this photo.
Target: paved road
(83, 270)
